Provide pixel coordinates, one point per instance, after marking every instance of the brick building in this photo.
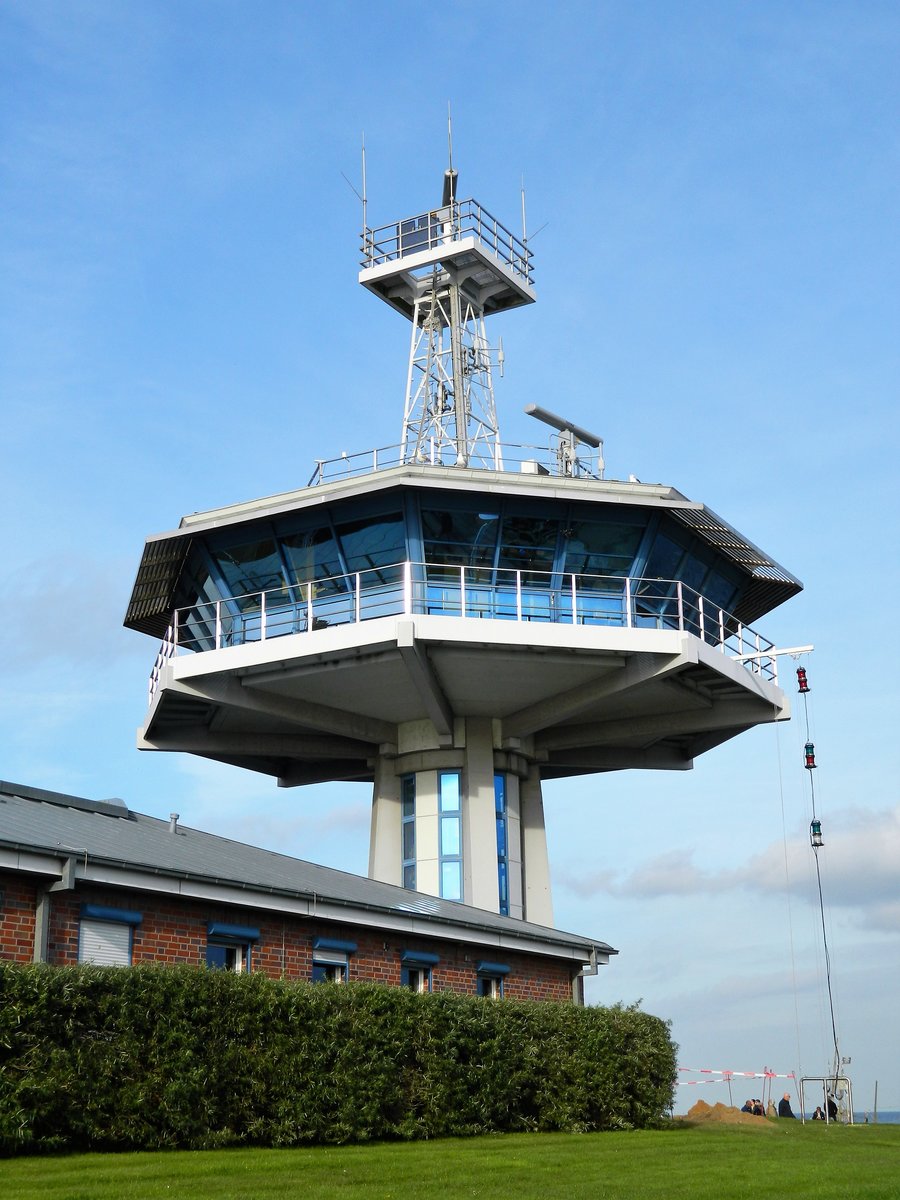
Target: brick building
(88, 881)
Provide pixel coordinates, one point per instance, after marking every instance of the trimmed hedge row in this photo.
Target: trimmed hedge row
(152, 1057)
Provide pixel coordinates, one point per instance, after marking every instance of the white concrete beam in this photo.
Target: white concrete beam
(564, 705)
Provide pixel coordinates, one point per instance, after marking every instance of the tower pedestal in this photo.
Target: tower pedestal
(464, 821)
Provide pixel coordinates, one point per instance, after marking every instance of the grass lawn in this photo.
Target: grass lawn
(719, 1162)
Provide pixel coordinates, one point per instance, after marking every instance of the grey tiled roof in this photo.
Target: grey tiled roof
(34, 820)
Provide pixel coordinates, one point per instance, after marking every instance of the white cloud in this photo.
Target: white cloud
(859, 865)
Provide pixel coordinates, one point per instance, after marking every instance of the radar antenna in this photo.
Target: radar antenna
(568, 461)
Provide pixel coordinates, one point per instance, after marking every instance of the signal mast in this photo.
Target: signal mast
(446, 270)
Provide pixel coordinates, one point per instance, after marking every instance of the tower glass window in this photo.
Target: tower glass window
(502, 844)
(408, 829)
(450, 818)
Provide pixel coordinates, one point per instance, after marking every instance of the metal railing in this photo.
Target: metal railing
(442, 226)
(482, 593)
(524, 459)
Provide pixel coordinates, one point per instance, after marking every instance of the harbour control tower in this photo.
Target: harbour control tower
(453, 619)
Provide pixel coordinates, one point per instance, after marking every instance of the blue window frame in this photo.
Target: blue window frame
(416, 968)
(450, 822)
(408, 829)
(230, 947)
(331, 960)
(502, 843)
(490, 977)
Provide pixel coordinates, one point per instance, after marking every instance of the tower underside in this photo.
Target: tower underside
(411, 702)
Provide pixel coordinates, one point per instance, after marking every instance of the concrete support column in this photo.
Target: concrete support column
(535, 862)
(479, 817)
(476, 759)
(385, 844)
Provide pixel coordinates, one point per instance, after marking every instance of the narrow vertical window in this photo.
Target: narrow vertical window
(408, 829)
(450, 834)
(502, 843)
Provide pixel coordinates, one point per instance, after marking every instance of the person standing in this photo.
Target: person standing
(784, 1106)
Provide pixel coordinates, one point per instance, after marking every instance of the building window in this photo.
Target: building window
(489, 980)
(502, 844)
(408, 829)
(331, 960)
(230, 947)
(415, 969)
(450, 815)
(106, 935)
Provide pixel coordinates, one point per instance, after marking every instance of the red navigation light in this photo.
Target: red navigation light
(802, 685)
(809, 753)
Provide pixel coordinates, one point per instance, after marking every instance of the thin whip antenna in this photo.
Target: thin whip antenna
(364, 194)
(524, 232)
(449, 136)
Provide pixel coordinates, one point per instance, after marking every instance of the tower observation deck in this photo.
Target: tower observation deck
(452, 619)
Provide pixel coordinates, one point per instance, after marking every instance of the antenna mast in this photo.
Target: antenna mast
(446, 270)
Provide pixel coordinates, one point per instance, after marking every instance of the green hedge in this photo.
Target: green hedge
(150, 1057)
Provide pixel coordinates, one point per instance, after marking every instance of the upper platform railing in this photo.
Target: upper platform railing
(484, 593)
(440, 228)
(523, 459)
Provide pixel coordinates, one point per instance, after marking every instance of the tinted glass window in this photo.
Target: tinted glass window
(251, 567)
(593, 548)
(312, 555)
(375, 542)
(529, 544)
(464, 539)
(663, 560)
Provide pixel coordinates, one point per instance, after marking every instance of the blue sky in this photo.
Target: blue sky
(716, 189)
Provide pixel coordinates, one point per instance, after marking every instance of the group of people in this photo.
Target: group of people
(784, 1108)
(832, 1107)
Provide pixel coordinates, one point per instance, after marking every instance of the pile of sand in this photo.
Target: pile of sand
(724, 1114)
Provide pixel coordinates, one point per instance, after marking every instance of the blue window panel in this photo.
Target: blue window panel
(329, 972)
(449, 789)
(417, 979)
(449, 837)
(408, 829)
(409, 841)
(228, 956)
(451, 880)
(502, 844)
(490, 986)
(408, 795)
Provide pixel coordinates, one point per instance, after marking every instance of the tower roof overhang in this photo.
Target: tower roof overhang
(152, 599)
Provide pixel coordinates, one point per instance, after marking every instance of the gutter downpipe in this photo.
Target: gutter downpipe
(42, 910)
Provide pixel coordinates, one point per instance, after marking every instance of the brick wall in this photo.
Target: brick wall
(17, 918)
(174, 931)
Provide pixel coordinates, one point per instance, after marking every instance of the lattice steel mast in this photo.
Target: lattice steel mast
(446, 270)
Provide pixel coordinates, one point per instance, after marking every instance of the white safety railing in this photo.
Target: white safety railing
(523, 459)
(481, 593)
(439, 227)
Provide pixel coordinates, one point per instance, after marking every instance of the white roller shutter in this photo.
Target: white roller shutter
(106, 943)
